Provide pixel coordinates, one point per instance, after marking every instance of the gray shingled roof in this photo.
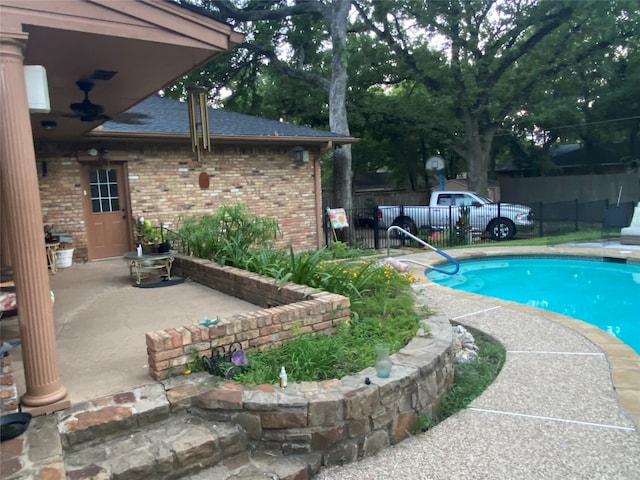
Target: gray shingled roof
(164, 115)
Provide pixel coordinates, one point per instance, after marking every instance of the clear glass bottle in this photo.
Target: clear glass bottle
(383, 362)
(283, 378)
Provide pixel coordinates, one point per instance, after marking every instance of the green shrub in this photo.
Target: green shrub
(227, 234)
(382, 305)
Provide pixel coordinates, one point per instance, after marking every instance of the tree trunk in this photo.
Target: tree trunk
(476, 151)
(338, 123)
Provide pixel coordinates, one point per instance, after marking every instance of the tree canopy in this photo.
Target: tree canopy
(476, 81)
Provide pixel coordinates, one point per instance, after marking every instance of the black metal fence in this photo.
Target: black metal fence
(596, 220)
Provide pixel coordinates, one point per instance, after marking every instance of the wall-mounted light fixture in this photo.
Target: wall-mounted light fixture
(102, 153)
(300, 154)
(49, 124)
(35, 78)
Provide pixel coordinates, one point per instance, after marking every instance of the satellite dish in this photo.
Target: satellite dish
(435, 163)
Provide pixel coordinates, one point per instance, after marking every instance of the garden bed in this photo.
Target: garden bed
(284, 309)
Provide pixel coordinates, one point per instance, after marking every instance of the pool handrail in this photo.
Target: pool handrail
(456, 264)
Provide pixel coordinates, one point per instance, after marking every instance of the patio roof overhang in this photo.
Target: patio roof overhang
(142, 45)
(130, 49)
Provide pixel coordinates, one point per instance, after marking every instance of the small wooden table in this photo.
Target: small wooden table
(148, 261)
(52, 261)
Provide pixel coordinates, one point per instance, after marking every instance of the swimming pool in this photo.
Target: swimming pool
(603, 293)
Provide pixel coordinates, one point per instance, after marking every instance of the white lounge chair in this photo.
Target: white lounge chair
(631, 235)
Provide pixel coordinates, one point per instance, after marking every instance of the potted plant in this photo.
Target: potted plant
(165, 244)
(155, 239)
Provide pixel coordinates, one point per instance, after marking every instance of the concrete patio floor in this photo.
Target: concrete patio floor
(101, 320)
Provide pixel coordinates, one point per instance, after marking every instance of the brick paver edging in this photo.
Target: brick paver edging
(284, 309)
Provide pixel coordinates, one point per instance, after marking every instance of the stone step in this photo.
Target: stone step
(96, 420)
(181, 445)
(261, 466)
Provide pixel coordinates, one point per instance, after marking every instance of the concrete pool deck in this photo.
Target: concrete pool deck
(566, 404)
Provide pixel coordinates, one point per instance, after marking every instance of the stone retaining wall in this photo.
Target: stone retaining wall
(287, 308)
(343, 419)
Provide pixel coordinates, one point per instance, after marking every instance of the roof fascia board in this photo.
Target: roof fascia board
(191, 16)
(184, 23)
(143, 20)
(237, 139)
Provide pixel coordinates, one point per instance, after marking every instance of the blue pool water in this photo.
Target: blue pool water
(604, 294)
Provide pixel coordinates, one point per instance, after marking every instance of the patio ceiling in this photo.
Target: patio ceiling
(129, 50)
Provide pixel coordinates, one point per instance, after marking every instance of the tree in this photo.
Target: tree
(288, 37)
(596, 100)
(496, 54)
(399, 127)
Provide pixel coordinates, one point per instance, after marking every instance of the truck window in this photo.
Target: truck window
(461, 200)
(444, 199)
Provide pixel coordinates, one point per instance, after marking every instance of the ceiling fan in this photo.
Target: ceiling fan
(87, 111)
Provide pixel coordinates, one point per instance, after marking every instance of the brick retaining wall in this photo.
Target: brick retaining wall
(284, 308)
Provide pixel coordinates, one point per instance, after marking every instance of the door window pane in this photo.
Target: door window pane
(104, 190)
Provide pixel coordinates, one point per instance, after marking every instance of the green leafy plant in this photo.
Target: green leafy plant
(194, 363)
(382, 304)
(422, 424)
(385, 314)
(150, 234)
(227, 234)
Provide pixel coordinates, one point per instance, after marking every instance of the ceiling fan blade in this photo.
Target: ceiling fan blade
(129, 118)
(94, 118)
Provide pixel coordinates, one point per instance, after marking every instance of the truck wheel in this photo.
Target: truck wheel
(501, 229)
(405, 223)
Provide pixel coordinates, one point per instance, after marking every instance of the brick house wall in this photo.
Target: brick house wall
(61, 197)
(163, 185)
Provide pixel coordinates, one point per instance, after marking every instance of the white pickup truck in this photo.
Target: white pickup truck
(500, 220)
